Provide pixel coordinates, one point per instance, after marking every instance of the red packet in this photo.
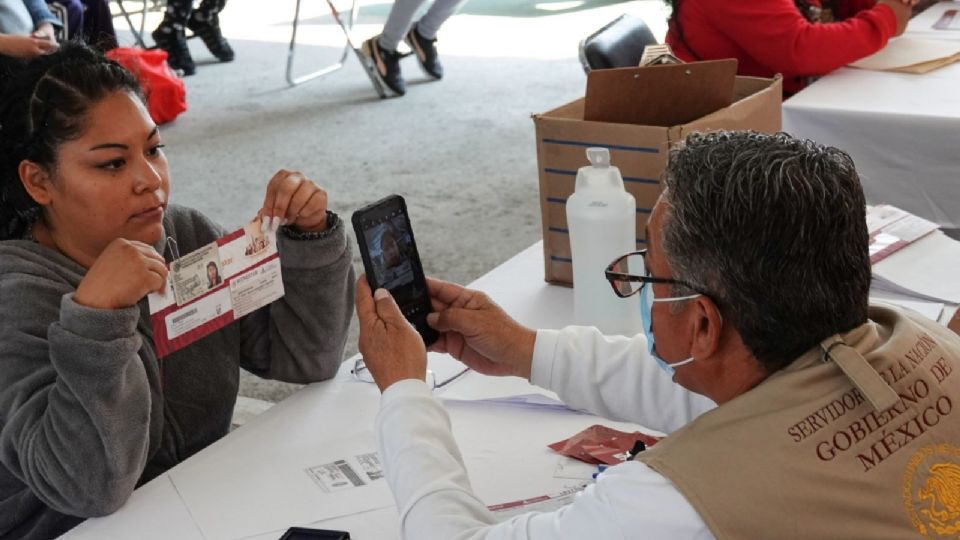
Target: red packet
(601, 445)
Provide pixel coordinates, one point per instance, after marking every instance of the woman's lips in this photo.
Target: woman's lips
(150, 214)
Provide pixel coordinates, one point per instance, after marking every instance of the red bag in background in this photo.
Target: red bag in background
(165, 92)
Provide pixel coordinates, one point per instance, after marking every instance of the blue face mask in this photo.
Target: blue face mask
(646, 316)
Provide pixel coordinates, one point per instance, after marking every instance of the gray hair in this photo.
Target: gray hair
(773, 229)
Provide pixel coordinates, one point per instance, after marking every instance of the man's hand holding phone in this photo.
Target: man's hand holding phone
(473, 329)
(476, 331)
(392, 349)
(391, 260)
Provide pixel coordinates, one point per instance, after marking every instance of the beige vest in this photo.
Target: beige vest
(805, 456)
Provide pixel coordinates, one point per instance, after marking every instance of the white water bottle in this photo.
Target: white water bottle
(602, 219)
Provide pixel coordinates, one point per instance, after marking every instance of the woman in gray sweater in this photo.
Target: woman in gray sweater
(87, 411)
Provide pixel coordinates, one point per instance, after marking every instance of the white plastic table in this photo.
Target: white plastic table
(902, 130)
(513, 464)
(503, 446)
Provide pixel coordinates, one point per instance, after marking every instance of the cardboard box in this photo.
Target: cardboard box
(639, 151)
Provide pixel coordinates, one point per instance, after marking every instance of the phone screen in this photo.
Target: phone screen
(389, 245)
(391, 261)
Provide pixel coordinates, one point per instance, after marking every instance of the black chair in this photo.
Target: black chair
(619, 43)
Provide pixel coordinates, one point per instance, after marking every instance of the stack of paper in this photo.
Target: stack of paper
(913, 264)
(891, 229)
(930, 310)
(925, 270)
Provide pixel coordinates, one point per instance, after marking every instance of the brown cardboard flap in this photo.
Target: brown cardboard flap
(664, 95)
(752, 111)
(639, 151)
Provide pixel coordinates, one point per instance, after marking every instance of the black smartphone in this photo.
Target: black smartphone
(391, 260)
(304, 533)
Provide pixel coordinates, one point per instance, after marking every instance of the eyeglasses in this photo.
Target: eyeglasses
(628, 274)
(361, 373)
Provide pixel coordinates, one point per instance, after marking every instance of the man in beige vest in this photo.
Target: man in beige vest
(833, 419)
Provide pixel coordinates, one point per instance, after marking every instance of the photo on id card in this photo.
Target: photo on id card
(257, 241)
(196, 273)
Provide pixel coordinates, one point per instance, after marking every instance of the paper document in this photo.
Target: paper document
(904, 52)
(891, 229)
(939, 21)
(574, 469)
(545, 503)
(529, 401)
(949, 20)
(281, 484)
(924, 270)
(930, 310)
(215, 285)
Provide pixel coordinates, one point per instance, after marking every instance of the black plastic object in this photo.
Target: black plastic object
(304, 533)
(619, 43)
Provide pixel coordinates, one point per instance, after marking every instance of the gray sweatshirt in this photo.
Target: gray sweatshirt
(88, 412)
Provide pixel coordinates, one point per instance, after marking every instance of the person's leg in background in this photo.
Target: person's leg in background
(422, 37)
(70, 13)
(382, 49)
(170, 36)
(205, 22)
(98, 25)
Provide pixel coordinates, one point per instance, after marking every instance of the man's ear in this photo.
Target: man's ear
(707, 328)
(36, 181)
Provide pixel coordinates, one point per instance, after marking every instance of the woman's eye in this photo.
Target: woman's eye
(155, 150)
(112, 164)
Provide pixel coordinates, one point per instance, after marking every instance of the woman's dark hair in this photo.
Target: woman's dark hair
(809, 11)
(43, 103)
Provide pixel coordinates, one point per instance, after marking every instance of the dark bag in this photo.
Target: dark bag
(619, 43)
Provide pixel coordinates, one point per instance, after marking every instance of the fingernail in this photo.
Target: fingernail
(432, 318)
(285, 222)
(275, 223)
(380, 294)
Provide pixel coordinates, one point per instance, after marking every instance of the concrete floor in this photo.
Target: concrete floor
(461, 150)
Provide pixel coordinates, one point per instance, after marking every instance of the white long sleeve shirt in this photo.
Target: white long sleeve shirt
(611, 377)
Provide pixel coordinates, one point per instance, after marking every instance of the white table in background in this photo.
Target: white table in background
(504, 447)
(902, 130)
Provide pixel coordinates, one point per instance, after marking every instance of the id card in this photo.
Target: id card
(215, 285)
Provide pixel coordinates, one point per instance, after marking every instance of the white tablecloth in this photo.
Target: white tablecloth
(902, 130)
(504, 447)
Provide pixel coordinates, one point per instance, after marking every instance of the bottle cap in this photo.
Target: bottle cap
(598, 156)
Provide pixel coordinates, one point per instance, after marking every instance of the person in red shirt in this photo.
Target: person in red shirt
(784, 36)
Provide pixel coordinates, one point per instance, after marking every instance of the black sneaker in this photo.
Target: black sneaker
(426, 52)
(209, 32)
(174, 42)
(385, 65)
